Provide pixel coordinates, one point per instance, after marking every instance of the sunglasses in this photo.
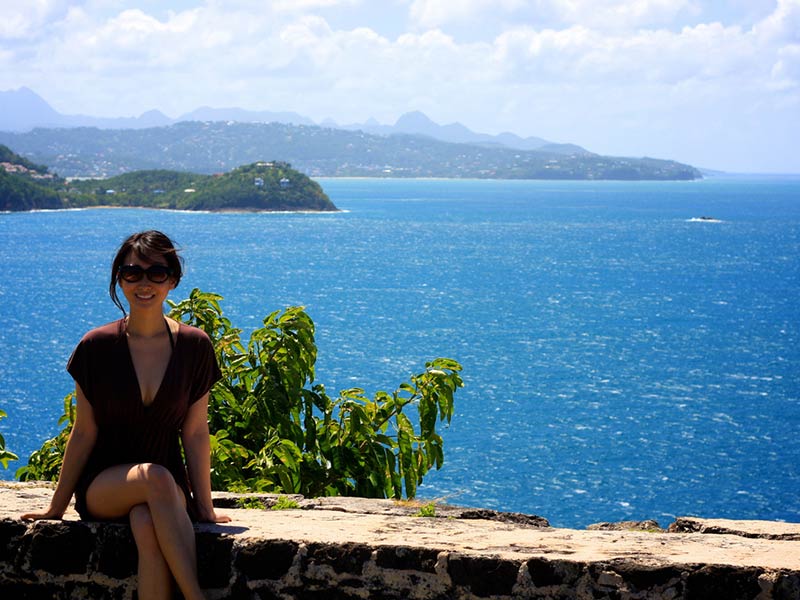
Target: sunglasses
(155, 273)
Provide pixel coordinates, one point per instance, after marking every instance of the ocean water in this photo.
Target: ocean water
(622, 358)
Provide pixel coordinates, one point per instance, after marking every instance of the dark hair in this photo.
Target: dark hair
(150, 246)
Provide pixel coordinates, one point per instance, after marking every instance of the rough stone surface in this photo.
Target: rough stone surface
(750, 529)
(648, 525)
(343, 548)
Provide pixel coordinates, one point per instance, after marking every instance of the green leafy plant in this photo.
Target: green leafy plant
(274, 430)
(285, 503)
(250, 503)
(6, 456)
(427, 510)
(45, 463)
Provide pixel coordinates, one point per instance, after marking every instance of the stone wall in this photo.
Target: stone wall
(356, 549)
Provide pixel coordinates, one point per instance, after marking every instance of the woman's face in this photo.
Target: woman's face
(145, 294)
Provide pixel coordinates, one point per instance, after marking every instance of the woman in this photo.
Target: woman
(142, 386)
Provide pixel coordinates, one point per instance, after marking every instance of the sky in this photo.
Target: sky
(712, 83)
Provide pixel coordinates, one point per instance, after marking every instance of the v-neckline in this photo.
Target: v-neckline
(173, 343)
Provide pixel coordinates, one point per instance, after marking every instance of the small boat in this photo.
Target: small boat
(704, 219)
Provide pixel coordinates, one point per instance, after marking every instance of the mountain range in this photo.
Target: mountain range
(213, 140)
(23, 109)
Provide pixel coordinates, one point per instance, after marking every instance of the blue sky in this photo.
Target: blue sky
(712, 83)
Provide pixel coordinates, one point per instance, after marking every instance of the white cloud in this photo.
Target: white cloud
(26, 19)
(705, 52)
(783, 25)
(306, 5)
(435, 13)
(616, 14)
(786, 70)
(584, 81)
(235, 41)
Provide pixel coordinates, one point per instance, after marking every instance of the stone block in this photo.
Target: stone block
(61, 547)
(11, 533)
(330, 593)
(30, 591)
(84, 590)
(116, 554)
(787, 587)
(214, 560)
(545, 573)
(410, 559)
(342, 558)
(731, 583)
(484, 576)
(267, 559)
(643, 577)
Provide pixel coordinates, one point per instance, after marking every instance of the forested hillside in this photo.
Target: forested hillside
(25, 185)
(259, 186)
(212, 147)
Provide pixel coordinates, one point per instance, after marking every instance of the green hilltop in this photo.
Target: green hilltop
(25, 185)
(261, 186)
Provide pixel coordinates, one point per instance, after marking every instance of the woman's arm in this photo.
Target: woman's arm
(197, 447)
(79, 446)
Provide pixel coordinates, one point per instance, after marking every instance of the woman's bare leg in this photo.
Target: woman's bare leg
(117, 490)
(155, 578)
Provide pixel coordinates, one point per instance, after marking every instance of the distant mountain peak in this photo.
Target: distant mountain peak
(414, 118)
(419, 123)
(23, 90)
(23, 109)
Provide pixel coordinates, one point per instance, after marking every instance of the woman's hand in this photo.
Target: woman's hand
(50, 513)
(79, 446)
(196, 444)
(210, 516)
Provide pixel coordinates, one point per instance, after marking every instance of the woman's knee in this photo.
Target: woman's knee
(159, 480)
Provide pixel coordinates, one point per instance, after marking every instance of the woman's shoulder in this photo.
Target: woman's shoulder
(108, 332)
(190, 332)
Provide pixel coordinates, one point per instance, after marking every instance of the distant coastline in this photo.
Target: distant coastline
(182, 210)
(214, 147)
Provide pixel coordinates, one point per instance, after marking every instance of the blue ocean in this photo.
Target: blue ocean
(623, 357)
